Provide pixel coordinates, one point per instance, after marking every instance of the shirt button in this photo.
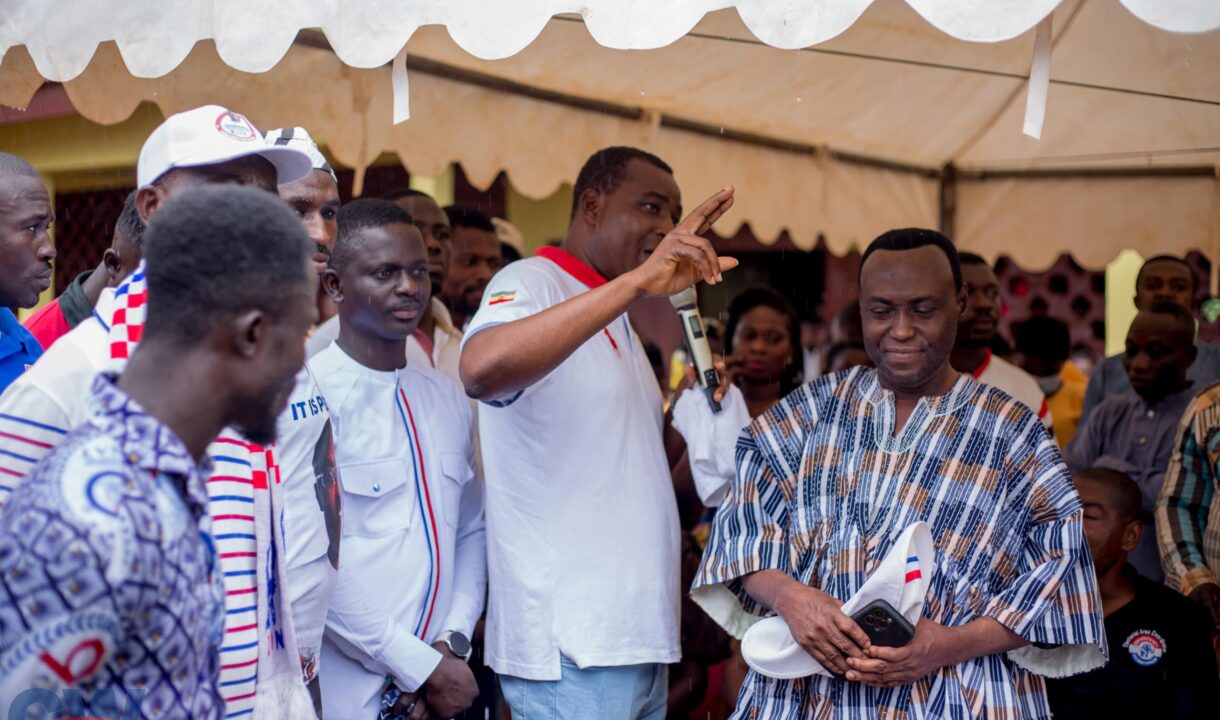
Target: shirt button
(1143, 441)
(376, 487)
(1152, 413)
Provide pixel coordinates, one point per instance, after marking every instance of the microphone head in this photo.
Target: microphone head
(686, 298)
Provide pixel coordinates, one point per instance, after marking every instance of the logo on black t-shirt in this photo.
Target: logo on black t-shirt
(1146, 647)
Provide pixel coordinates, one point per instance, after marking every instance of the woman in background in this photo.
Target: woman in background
(762, 347)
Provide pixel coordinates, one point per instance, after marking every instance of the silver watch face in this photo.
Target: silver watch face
(459, 644)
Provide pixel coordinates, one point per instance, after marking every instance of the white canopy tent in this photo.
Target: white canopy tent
(838, 118)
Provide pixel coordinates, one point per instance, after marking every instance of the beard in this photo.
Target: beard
(258, 422)
(260, 432)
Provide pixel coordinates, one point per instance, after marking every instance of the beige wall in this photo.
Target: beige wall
(540, 220)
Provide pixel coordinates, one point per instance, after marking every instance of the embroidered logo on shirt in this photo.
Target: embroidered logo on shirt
(502, 297)
(913, 572)
(1146, 647)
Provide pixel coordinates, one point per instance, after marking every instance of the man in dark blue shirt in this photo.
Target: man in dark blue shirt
(1161, 662)
(26, 253)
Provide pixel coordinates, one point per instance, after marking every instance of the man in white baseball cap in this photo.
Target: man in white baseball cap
(204, 146)
(208, 145)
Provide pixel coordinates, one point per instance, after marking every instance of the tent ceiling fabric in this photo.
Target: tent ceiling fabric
(845, 137)
(155, 36)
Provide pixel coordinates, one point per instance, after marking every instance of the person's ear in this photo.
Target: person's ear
(963, 300)
(249, 333)
(1132, 534)
(332, 285)
(148, 199)
(590, 209)
(113, 266)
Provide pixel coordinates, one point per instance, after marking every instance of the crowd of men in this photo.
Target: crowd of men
(279, 458)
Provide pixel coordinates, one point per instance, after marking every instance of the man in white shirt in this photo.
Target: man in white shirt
(976, 331)
(583, 535)
(437, 342)
(412, 504)
(204, 146)
(302, 460)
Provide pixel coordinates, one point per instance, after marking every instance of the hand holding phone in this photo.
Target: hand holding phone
(884, 625)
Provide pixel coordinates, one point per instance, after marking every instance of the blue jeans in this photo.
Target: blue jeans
(630, 692)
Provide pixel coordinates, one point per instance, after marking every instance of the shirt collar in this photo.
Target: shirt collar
(982, 368)
(870, 389)
(1172, 402)
(145, 441)
(572, 266)
(12, 333)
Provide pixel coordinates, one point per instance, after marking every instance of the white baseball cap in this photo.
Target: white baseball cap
(210, 135)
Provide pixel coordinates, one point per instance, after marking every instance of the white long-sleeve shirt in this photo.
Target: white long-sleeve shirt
(412, 528)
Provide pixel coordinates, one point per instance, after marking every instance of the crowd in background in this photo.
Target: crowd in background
(462, 494)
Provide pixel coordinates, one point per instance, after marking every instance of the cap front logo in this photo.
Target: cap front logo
(236, 126)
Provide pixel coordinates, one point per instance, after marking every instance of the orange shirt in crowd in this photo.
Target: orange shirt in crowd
(1067, 402)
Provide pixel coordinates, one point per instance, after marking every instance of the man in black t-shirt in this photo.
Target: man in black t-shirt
(1161, 660)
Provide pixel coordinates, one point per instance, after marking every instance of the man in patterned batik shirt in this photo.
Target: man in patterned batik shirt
(111, 593)
(830, 477)
(1188, 510)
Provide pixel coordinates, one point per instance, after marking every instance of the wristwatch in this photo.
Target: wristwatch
(458, 643)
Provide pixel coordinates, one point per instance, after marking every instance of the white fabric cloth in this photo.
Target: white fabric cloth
(412, 528)
(840, 102)
(156, 36)
(582, 522)
(711, 439)
(902, 580)
(999, 373)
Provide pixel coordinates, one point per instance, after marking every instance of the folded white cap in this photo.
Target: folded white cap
(210, 135)
(711, 439)
(902, 580)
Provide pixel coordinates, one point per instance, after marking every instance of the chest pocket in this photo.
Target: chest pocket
(458, 475)
(378, 497)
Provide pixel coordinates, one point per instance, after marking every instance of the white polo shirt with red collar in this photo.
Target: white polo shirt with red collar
(1001, 374)
(582, 525)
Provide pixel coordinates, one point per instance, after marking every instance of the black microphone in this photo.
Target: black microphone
(687, 305)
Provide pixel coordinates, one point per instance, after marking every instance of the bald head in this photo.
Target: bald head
(13, 166)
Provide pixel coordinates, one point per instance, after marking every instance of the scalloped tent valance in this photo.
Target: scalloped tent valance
(890, 113)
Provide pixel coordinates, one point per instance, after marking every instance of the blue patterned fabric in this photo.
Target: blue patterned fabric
(824, 488)
(108, 580)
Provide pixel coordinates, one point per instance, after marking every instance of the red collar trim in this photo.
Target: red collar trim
(983, 367)
(569, 264)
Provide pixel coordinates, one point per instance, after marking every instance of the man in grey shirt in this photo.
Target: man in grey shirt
(1136, 434)
(1164, 277)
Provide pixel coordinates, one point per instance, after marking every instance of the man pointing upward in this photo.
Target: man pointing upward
(582, 525)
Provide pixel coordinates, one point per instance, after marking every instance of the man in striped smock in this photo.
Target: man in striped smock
(830, 477)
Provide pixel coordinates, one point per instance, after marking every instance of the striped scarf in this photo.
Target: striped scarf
(278, 688)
